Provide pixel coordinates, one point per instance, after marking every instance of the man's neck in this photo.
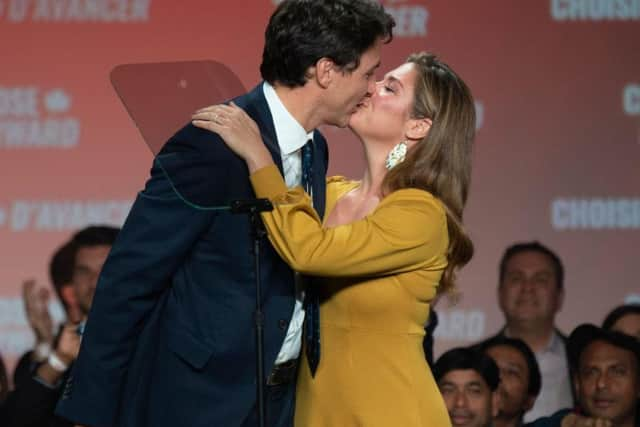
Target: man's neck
(301, 104)
(536, 336)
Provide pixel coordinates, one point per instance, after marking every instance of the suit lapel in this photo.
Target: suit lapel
(258, 109)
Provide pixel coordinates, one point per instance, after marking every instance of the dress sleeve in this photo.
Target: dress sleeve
(406, 231)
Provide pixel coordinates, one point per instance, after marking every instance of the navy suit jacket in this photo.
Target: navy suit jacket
(170, 336)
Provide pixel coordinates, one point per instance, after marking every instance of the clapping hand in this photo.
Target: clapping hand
(36, 305)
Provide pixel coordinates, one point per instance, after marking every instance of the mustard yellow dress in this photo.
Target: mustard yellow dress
(379, 276)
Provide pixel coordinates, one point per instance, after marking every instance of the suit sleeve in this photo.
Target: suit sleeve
(33, 404)
(406, 231)
(159, 232)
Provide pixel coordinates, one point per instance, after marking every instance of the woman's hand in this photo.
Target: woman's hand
(239, 131)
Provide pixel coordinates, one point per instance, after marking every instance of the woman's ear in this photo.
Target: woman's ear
(417, 129)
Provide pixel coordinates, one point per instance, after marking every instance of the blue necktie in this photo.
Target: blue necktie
(311, 301)
(307, 166)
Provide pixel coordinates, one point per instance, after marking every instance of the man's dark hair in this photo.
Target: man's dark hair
(465, 358)
(95, 235)
(585, 334)
(300, 32)
(519, 248)
(535, 379)
(618, 313)
(61, 268)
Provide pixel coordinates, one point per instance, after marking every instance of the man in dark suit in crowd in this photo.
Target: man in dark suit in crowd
(606, 366)
(36, 305)
(74, 272)
(35, 299)
(530, 295)
(170, 338)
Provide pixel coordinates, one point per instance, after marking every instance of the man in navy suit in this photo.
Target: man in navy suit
(170, 337)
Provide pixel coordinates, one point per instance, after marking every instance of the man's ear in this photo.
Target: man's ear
(323, 72)
(416, 129)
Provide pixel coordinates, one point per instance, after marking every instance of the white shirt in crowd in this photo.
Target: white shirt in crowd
(555, 393)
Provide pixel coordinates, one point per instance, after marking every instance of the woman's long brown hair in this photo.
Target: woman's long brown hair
(441, 162)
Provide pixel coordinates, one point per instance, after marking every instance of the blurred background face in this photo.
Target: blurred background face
(607, 381)
(89, 261)
(514, 381)
(629, 324)
(529, 291)
(467, 397)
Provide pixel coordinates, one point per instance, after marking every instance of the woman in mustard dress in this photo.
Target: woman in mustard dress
(388, 245)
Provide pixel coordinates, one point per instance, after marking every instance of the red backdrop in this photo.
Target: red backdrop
(557, 85)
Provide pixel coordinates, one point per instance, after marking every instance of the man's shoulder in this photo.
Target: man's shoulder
(206, 144)
(251, 98)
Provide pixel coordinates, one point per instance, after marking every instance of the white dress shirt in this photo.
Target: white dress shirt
(291, 137)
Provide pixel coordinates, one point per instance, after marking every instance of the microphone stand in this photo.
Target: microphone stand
(252, 208)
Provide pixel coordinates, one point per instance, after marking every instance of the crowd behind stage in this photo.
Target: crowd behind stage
(530, 373)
